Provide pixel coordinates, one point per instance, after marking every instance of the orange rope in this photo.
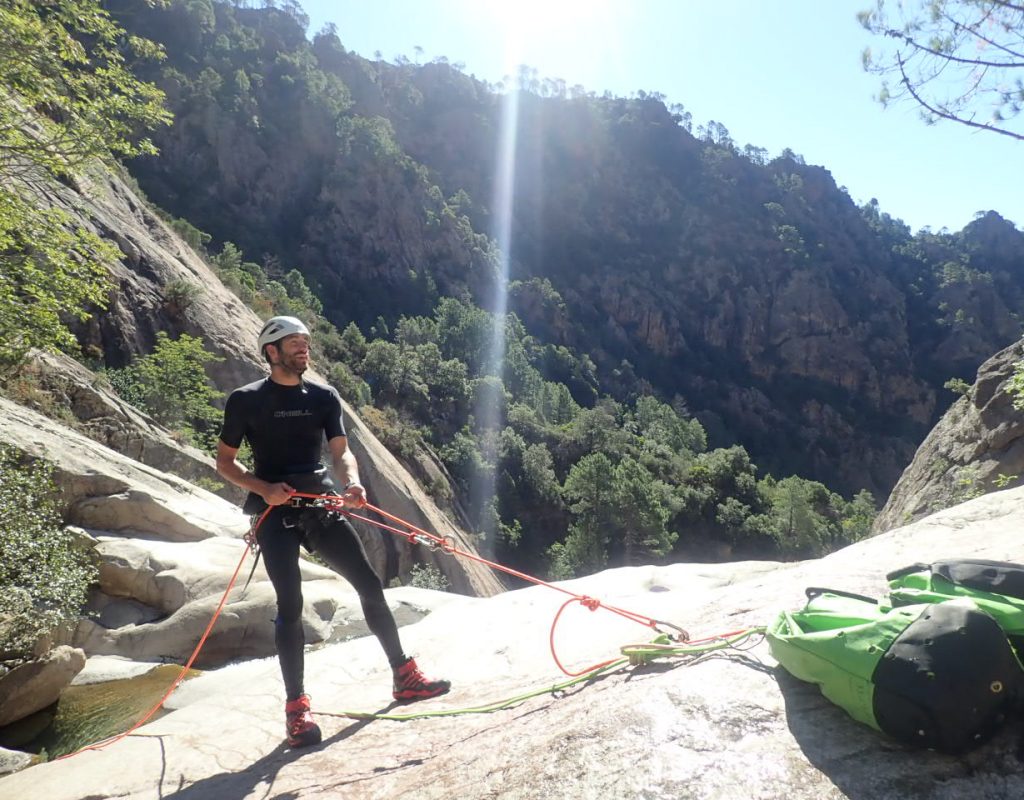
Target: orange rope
(184, 670)
(445, 544)
(415, 535)
(551, 640)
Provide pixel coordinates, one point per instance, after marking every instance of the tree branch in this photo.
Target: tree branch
(1008, 5)
(953, 117)
(975, 62)
(973, 30)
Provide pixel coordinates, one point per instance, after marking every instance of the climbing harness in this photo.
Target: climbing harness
(671, 640)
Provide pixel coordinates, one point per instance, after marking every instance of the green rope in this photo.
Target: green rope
(662, 647)
(635, 654)
(486, 709)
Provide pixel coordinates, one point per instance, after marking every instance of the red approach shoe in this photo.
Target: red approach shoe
(302, 730)
(411, 684)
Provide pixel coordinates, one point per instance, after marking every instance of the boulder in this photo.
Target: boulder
(13, 760)
(103, 489)
(165, 575)
(37, 684)
(102, 669)
(118, 612)
(244, 629)
(156, 599)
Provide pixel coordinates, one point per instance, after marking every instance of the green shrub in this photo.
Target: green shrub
(427, 576)
(179, 296)
(966, 484)
(44, 577)
(1016, 386)
(957, 386)
(396, 434)
(170, 384)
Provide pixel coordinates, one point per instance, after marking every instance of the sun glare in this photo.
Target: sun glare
(550, 33)
(555, 37)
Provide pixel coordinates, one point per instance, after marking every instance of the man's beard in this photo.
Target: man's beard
(291, 364)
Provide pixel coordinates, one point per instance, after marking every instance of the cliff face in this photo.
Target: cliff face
(758, 292)
(977, 447)
(140, 305)
(815, 333)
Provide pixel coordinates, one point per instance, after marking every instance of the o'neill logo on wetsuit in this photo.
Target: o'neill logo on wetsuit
(299, 412)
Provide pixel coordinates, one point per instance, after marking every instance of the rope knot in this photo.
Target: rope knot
(590, 602)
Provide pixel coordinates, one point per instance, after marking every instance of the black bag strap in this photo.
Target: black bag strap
(818, 591)
(997, 577)
(899, 573)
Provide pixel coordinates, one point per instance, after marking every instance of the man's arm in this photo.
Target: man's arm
(273, 494)
(347, 471)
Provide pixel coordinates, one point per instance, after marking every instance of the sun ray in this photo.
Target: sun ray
(554, 32)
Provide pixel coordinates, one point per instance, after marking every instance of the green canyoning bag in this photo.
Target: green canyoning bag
(935, 675)
(996, 587)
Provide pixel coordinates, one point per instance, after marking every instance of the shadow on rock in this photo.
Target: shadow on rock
(864, 764)
(262, 772)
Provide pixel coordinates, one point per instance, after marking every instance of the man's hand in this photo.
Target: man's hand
(354, 495)
(277, 494)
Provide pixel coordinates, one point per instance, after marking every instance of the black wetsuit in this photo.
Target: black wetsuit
(285, 427)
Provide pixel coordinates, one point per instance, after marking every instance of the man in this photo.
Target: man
(285, 419)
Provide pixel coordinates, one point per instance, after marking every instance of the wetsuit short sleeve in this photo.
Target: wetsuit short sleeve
(333, 424)
(233, 430)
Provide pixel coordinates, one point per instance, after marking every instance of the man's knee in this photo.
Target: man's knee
(372, 598)
(289, 611)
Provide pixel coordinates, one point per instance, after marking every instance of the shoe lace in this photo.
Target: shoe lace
(298, 716)
(299, 720)
(413, 678)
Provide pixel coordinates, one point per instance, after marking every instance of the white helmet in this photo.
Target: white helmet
(276, 328)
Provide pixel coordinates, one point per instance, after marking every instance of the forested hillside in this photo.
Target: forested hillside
(671, 290)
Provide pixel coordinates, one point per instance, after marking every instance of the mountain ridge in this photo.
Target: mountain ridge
(689, 266)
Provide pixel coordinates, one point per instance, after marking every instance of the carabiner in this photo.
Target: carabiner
(681, 636)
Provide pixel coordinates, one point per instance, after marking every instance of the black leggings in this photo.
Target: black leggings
(334, 540)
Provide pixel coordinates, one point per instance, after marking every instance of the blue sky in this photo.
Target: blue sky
(776, 73)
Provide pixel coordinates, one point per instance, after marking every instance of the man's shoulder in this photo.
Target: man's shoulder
(250, 388)
(316, 388)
